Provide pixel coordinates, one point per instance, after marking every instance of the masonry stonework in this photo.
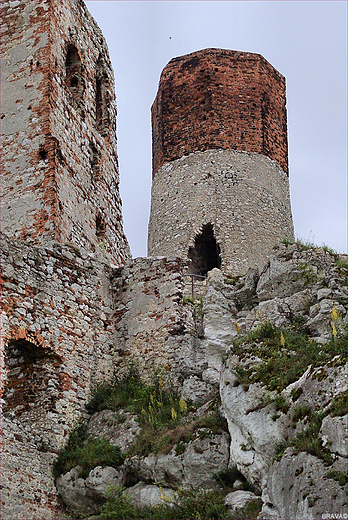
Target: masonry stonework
(57, 343)
(58, 120)
(75, 307)
(220, 164)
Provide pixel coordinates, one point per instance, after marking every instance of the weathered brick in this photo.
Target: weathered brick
(60, 167)
(219, 99)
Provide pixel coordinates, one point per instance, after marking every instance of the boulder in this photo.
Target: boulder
(320, 322)
(279, 279)
(198, 391)
(119, 428)
(238, 500)
(87, 495)
(143, 495)
(203, 457)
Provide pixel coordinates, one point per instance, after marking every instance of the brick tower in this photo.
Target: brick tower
(220, 189)
(58, 119)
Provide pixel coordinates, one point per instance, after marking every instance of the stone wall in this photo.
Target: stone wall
(57, 342)
(244, 196)
(220, 191)
(217, 98)
(151, 324)
(60, 168)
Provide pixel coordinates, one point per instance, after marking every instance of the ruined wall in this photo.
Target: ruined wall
(57, 342)
(149, 317)
(58, 118)
(219, 160)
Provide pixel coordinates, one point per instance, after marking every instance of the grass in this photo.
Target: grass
(196, 505)
(339, 476)
(308, 440)
(285, 354)
(307, 273)
(234, 280)
(339, 404)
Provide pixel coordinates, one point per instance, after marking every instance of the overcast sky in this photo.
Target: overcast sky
(304, 40)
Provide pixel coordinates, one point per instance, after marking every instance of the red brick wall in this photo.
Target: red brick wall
(218, 98)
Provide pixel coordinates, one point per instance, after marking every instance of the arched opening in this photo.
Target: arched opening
(73, 74)
(32, 383)
(205, 255)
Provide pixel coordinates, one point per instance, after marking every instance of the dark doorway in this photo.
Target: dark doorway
(205, 255)
(30, 369)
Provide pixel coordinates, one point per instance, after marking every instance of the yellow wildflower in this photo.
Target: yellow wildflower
(237, 327)
(282, 340)
(183, 405)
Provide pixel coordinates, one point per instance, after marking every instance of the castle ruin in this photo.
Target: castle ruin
(73, 302)
(220, 189)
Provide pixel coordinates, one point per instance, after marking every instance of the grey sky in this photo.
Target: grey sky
(304, 40)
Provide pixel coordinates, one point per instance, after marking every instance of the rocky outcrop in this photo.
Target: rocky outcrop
(299, 487)
(266, 321)
(203, 458)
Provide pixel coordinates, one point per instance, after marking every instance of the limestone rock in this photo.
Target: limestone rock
(335, 435)
(87, 495)
(195, 468)
(219, 309)
(198, 391)
(320, 323)
(298, 488)
(279, 279)
(143, 495)
(245, 296)
(119, 428)
(254, 434)
(239, 499)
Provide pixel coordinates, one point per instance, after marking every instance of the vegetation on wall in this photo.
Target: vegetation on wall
(284, 354)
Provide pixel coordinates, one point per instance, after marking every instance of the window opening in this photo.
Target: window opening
(102, 98)
(74, 78)
(95, 162)
(205, 254)
(100, 226)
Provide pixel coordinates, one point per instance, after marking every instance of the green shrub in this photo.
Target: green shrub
(87, 454)
(308, 440)
(281, 404)
(301, 412)
(307, 273)
(161, 413)
(339, 405)
(339, 476)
